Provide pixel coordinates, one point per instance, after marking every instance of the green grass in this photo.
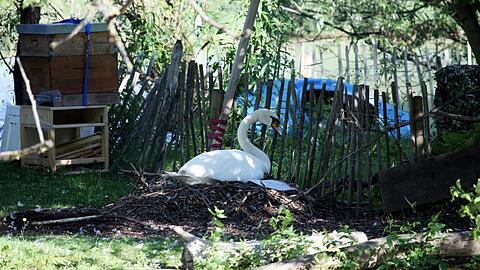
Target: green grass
(26, 189)
(82, 252)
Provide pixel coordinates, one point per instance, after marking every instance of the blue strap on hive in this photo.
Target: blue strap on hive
(87, 55)
(87, 61)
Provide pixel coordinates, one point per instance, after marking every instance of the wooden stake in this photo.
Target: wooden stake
(347, 64)
(266, 105)
(408, 86)
(396, 103)
(300, 131)
(291, 160)
(278, 111)
(256, 106)
(385, 125)
(291, 87)
(313, 141)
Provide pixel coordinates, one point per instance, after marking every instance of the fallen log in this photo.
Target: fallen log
(373, 253)
(195, 247)
(429, 180)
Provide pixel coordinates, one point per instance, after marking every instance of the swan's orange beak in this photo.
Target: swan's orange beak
(276, 127)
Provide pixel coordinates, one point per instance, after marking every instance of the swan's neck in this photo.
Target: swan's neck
(245, 143)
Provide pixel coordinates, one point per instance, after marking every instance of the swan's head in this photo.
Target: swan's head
(268, 118)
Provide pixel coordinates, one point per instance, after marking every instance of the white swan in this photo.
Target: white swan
(235, 165)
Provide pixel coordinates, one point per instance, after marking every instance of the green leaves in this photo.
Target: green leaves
(471, 208)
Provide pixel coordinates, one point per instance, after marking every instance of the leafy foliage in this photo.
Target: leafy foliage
(471, 208)
(403, 253)
(394, 23)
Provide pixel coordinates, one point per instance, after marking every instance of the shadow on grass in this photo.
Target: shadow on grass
(84, 252)
(22, 188)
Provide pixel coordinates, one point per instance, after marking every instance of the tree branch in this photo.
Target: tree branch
(6, 63)
(32, 101)
(459, 117)
(211, 21)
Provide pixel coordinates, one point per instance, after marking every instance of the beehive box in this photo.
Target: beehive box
(63, 68)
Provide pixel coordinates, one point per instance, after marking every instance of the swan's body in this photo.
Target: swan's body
(235, 165)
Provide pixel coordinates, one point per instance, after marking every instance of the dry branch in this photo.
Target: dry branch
(32, 101)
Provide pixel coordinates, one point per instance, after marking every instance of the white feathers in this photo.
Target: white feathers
(234, 165)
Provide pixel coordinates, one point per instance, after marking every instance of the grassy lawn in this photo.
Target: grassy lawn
(27, 189)
(82, 252)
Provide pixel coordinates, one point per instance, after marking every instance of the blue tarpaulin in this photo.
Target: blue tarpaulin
(330, 87)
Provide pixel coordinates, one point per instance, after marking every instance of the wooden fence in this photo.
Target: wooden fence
(333, 143)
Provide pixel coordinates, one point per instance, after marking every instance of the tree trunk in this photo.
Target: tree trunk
(373, 253)
(28, 15)
(239, 59)
(465, 15)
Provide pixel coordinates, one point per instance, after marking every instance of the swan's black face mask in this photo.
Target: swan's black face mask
(276, 125)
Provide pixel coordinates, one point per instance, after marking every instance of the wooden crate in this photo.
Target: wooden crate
(62, 125)
(63, 68)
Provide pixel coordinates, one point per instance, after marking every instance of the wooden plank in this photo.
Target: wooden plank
(67, 74)
(75, 125)
(429, 180)
(80, 161)
(26, 115)
(39, 45)
(92, 99)
(63, 148)
(73, 154)
(105, 141)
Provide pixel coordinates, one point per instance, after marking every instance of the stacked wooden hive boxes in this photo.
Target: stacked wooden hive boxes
(73, 99)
